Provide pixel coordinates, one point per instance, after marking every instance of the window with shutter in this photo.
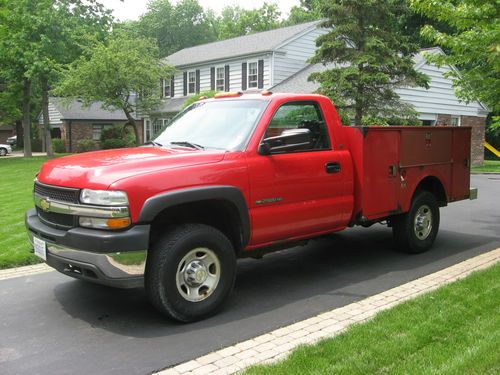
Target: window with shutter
(253, 73)
(220, 81)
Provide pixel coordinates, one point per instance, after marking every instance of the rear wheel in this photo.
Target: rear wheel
(415, 231)
(190, 272)
(3, 151)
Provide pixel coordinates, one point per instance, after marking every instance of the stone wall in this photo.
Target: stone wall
(443, 120)
(477, 141)
(79, 130)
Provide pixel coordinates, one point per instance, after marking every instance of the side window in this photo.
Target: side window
(300, 115)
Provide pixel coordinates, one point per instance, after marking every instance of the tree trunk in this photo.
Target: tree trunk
(131, 122)
(358, 117)
(27, 117)
(19, 134)
(46, 118)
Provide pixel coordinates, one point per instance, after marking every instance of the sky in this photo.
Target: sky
(132, 9)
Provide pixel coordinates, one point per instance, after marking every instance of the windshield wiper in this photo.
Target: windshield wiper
(188, 144)
(153, 143)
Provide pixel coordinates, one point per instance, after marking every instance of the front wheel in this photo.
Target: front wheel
(190, 272)
(3, 151)
(415, 231)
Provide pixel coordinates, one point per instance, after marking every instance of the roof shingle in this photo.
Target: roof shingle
(242, 45)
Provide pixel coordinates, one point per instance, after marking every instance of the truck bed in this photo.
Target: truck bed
(390, 162)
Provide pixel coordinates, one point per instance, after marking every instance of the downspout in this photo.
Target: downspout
(271, 73)
(70, 136)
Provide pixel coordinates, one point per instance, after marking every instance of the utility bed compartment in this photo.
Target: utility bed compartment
(390, 161)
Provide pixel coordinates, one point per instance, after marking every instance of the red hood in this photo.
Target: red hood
(98, 170)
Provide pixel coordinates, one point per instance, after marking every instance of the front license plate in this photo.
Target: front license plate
(40, 248)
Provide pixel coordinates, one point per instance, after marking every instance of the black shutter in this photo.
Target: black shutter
(212, 78)
(260, 77)
(244, 76)
(226, 78)
(172, 86)
(185, 83)
(197, 81)
(161, 88)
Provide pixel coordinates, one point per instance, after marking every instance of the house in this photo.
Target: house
(247, 63)
(277, 60)
(71, 121)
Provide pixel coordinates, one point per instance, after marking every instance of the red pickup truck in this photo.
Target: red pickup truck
(238, 176)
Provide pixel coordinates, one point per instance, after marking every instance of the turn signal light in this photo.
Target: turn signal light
(118, 223)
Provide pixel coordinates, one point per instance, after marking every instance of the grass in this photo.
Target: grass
(453, 330)
(489, 166)
(16, 189)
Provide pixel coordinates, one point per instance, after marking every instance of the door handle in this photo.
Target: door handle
(332, 167)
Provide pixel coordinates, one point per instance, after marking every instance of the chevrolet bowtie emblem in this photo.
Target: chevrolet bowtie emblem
(45, 205)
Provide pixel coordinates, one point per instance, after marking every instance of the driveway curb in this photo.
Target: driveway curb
(11, 273)
(278, 344)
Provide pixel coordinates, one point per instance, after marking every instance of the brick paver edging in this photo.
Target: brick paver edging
(278, 344)
(10, 273)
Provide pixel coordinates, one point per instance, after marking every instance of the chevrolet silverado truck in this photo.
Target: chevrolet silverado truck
(238, 176)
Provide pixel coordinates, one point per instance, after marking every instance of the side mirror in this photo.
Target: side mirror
(289, 140)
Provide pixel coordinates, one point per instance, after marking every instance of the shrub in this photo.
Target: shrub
(117, 136)
(86, 145)
(195, 98)
(114, 143)
(112, 132)
(59, 145)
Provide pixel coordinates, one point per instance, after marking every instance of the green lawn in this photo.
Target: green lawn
(17, 176)
(489, 166)
(453, 330)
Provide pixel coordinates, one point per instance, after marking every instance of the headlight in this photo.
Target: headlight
(104, 197)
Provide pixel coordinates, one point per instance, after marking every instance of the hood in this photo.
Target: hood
(98, 170)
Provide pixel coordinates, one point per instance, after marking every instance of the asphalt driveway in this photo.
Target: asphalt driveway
(50, 323)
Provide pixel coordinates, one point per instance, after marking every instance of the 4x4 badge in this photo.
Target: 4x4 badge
(44, 205)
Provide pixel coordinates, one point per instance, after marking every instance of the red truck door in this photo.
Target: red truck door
(300, 192)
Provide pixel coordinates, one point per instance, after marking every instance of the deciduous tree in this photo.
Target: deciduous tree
(123, 73)
(474, 48)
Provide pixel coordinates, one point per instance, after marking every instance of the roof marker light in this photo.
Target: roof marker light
(233, 94)
(266, 93)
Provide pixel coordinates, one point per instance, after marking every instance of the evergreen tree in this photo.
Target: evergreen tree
(368, 56)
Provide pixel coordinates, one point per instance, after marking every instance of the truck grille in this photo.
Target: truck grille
(56, 220)
(56, 193)
(67, 195)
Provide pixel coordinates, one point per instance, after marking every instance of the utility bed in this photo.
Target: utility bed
(389, 161)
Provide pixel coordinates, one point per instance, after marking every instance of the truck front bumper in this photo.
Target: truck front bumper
(116, 259)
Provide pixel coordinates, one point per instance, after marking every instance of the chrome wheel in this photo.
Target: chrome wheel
(198, 274)
(422, 225)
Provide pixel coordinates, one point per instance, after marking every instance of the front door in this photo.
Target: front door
(299, 192)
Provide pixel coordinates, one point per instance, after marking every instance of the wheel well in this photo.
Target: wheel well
(218, 213)
(433, 185)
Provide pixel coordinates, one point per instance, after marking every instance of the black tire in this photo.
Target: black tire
(164, 262)
(405, 228)
(3, 151)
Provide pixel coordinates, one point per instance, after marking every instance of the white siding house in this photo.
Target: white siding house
(279, 60)
(246, 63)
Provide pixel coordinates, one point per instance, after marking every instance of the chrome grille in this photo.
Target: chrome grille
(57, 193)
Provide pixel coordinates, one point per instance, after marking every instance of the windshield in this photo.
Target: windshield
(219, 124)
